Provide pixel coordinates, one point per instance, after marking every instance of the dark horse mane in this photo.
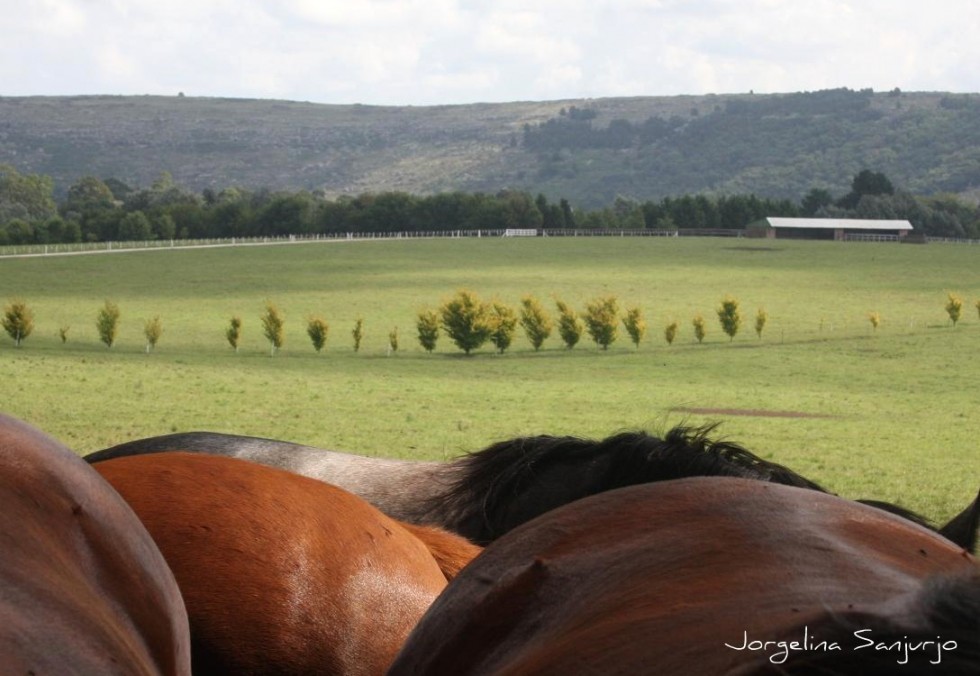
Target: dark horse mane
(486, 480)
(946, 610)
(489, 491)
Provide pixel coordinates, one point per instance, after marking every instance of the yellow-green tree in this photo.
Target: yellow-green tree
(317, 329)
(234, 332)
(601, 319)
(427, 324)
(729, 316)
(761, 317)
(465, 319)
(357, 333)
(273, 327)
(570, 326)
(635, 325)
(954, 306)
(670, 332)
(535, 321)
(875, 319)
(699, 327)
(18, 321)
(393, 340)
(152, 330)
(503, 325)
(107, 323)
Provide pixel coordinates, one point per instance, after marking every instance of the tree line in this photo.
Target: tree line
(466, 319)
(97, 210)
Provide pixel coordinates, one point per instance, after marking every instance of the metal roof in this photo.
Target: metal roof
(837, 223)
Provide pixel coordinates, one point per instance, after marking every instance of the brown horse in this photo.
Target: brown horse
(283, 574)
(83, 588)
(707, 576)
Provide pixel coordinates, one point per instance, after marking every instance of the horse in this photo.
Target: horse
(283, 574)
(83, 588)
(707, 575)
(484, 494)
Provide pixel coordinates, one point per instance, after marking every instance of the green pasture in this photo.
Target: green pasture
(889, 414)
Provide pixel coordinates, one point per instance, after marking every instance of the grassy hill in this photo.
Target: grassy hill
(589, 151)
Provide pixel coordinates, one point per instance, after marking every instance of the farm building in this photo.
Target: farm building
(828, 228)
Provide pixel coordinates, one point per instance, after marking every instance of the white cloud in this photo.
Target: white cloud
(455, 51)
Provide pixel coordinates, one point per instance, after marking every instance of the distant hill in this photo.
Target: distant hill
(588, 151)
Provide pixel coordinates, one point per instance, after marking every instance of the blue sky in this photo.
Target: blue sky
(422, 52)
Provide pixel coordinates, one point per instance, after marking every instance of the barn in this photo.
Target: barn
(828, 228)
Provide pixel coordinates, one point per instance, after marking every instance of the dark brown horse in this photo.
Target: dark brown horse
(282, 574)
(485, 494)
(707, 576)
(83, 588)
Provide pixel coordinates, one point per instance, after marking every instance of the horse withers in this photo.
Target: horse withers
(283, 574)
(83, 588)
(707, 576)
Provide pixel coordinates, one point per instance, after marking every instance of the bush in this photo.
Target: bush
(670, 332)
(503, 325)
(635, 325)
(107, 323)
(357, 333)
(317, 329)
(152, 329)
(427, 324)
(601, 317)
(954, 306)
(535, 321)
(63, 333)
(234, 332)
(699, 328)
(875, 319)
(570, 326)
(393, 340)
(465, 318)
(761, 317)
(729, 317)
(18, 321)
(273, 324)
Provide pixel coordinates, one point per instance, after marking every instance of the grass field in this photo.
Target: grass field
(889, 414)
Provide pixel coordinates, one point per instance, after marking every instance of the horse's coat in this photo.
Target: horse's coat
(83, 588)
(658, 578)
(485, 494)
(282, 574)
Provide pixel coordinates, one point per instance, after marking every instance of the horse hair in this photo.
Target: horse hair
(946, 609)
(484, 481)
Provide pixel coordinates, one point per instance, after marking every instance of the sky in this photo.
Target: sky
(433, 52)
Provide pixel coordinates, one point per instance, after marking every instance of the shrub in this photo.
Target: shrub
(465, 320)
(317, 329)
(357, 333)
(635, 325)
(152, 329)
(729, 317)
(699, 327)
(570, 326)
(234, 332)
(535, 321)
(63, 333)
(601, 315)
(273, 324)
(954, 306)
(670, 332)
(503, 325)
(427, 324)
(107, 323)
(393, 340)
(761, 317)
(18, 321)
(875, 319)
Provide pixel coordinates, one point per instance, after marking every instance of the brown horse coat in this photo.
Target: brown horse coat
(282, 574)
(658, 578)
(83, 588)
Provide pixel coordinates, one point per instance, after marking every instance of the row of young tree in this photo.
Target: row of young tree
(109, 210)
(467, 320)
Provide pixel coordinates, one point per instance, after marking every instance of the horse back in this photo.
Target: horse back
(280, 573)
(84, 588)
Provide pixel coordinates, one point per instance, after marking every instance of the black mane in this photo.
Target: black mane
(486, 481)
